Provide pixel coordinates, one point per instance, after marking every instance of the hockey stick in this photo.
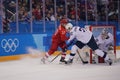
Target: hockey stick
(55, 57)
(84, 62)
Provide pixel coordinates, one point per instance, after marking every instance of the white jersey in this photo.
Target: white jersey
(104, 43)
(110, 39)
(81, 34)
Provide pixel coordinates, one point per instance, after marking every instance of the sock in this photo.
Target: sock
(63, 55)
(46, 55)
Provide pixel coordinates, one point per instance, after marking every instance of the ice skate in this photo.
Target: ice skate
(62, 60)
(85, 62)
(69, 61)
(109, 61)
(43, 60)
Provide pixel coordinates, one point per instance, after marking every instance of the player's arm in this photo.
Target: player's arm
(109, 41)
(71, 40)
(110, 36)
(64, 35)
(99, 40)
(72, 36)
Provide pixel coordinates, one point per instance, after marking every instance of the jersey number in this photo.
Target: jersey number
(82, 29)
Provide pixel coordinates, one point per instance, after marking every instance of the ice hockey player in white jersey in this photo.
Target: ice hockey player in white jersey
(105, 40)
(83, 37)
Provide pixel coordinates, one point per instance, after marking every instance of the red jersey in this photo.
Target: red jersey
(60, 34)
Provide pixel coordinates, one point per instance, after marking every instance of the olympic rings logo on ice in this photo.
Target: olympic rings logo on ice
(10, 45)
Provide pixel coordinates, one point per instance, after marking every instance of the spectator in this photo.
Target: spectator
(26, 17)
(37, 13)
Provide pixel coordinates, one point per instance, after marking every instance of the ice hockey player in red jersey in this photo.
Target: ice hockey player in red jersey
(58, 40)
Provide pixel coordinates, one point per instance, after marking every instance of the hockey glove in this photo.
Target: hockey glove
(72, 42)
(68, 34)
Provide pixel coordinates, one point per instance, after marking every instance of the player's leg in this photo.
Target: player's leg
(83, 54)
(63, 55)
(111, 53)
(52, 49)
(74, 48)
(93, 45)
(72, 54)
(63, 46)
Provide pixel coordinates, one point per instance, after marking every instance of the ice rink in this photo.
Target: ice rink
(33, 69)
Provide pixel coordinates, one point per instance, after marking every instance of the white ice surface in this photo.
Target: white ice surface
(32, 69)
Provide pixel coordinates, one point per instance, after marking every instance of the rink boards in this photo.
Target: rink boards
(15, 46)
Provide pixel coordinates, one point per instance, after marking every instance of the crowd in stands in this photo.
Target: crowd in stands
(50, 11)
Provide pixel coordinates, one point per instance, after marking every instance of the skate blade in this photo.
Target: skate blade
(61, 62)
(43, 61)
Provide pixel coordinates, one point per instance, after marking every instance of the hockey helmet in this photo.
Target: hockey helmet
(87, 27)
(69, 26)
(64, 21)
(104, 31)
(104, 34)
